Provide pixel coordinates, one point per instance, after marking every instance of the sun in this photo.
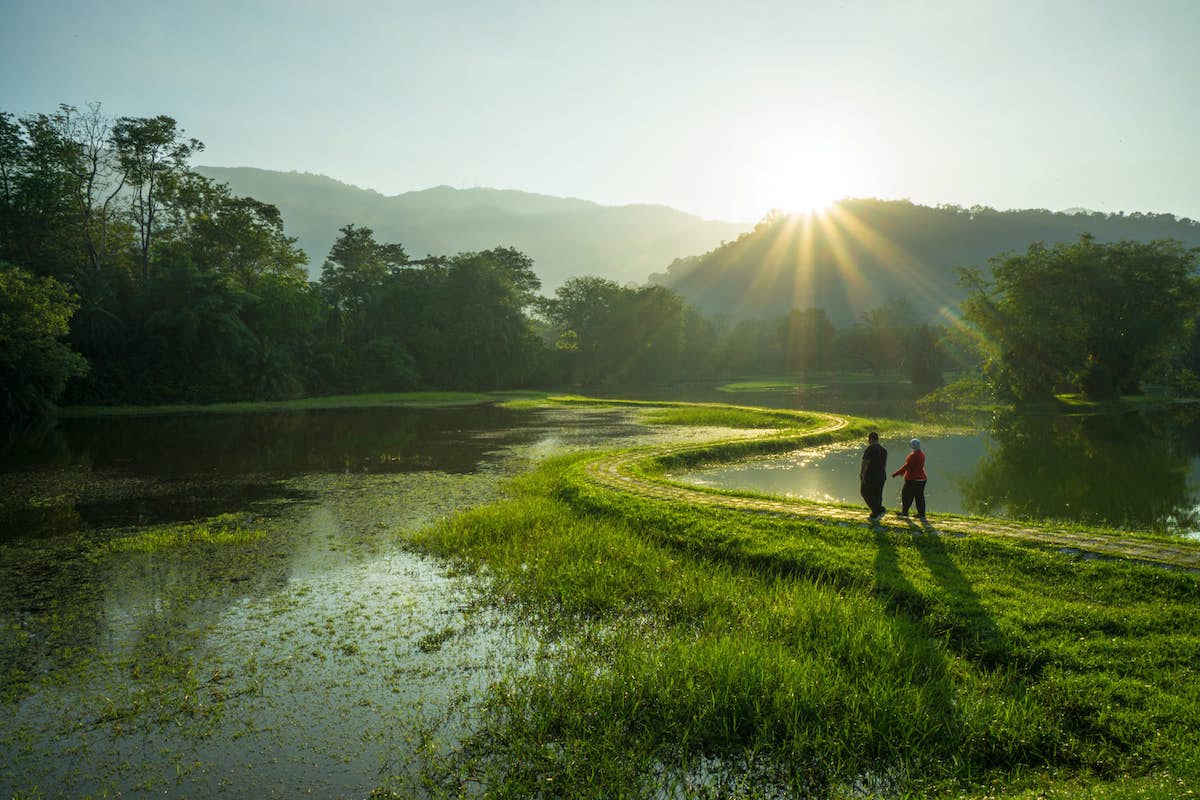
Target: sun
(803, 178)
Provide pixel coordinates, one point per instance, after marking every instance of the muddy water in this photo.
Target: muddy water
(313, 654)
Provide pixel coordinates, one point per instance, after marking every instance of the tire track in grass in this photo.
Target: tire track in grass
(618, 472)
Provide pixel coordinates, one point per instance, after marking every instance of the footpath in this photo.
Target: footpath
(616, 472)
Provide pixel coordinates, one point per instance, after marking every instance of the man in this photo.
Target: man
(872, 475)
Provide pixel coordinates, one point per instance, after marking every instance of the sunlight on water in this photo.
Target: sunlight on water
(321, 657)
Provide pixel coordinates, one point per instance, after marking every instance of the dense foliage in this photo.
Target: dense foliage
(176, 290)
(1085, 317)
(184, 292)
(34, 364)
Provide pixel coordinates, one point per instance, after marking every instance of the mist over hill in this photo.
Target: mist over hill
(566, 237)
(864, 253)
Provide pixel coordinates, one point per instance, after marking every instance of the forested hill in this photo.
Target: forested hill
(865, 253)
(565, 237)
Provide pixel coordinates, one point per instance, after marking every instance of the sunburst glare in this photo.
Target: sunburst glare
(804, 177)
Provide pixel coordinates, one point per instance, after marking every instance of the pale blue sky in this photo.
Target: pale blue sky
(722, 109)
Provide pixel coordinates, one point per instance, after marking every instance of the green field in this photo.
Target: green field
(394, 399)
(701, 652)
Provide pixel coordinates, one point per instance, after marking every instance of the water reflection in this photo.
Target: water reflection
(840, 394)
(309, 660)
(137, 471)
(1137, 471)
(1130, 470)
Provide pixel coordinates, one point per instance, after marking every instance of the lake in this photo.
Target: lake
(308, 653)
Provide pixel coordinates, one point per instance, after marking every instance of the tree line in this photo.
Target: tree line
(127, 277)
(130, 278)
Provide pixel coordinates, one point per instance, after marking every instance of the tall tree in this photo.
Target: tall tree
(39, 227)
(94, 172)
(880, 338)
(357, 268)
(153, 155)
(242, 239)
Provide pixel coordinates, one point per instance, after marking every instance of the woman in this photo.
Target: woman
(913, 471)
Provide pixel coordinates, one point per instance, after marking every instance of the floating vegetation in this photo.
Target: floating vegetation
(224, 530)
(289, 643)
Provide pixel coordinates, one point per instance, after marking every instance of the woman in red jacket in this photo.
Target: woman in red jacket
(913, 471)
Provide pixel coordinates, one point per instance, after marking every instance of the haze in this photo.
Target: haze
(724, 110)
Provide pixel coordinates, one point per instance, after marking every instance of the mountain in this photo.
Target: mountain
(863, 253)
(565, 237)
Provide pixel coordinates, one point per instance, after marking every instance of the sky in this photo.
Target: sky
(721, 109)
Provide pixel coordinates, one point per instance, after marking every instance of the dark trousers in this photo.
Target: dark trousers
(913, 490)
(872, 494)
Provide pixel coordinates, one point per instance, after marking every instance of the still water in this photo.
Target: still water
(830, 473)
(315, 656)
(1135, 471)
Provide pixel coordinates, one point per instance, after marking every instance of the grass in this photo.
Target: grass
(780, 385)
(811, 381)
(394, 399)
(225, 529)
(657, 412)
(711, 653)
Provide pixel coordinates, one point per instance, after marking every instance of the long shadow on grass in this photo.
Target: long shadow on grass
(955, 611)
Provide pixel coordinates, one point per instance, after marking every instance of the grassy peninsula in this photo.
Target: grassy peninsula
(707, 652)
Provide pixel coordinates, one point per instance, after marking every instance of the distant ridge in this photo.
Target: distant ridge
(566, 237)
(869, 252)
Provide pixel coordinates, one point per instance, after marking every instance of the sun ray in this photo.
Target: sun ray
(891, 255)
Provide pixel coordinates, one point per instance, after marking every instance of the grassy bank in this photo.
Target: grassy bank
(394, 399)
(713, 653)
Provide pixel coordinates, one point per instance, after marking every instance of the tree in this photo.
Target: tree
(879, 340)
(581, 311)
(807, 340)
(153, 155)
(94, 173)
(38, 224)
(34, 364)
(242, 239)
(610, 334)
(357, 268)
(1088, 317)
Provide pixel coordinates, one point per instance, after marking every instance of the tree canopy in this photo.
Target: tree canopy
(135, 279)
(1086, 317)
(35, 364)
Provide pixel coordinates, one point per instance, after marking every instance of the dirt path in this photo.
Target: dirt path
(615, 472)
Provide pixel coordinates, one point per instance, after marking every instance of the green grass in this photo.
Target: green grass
(721, 416)
(226, 529)
(781, 385)
(657, 412)
(395, 399)
(811, 381)
(813, 658)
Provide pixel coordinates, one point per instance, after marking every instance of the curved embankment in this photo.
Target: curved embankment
(619, 472)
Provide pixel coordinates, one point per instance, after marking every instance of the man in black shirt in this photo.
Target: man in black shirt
(872, 474)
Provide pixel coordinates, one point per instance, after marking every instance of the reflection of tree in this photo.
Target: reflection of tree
(1127, 470)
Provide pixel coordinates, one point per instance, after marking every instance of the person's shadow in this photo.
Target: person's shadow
(951, 606)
